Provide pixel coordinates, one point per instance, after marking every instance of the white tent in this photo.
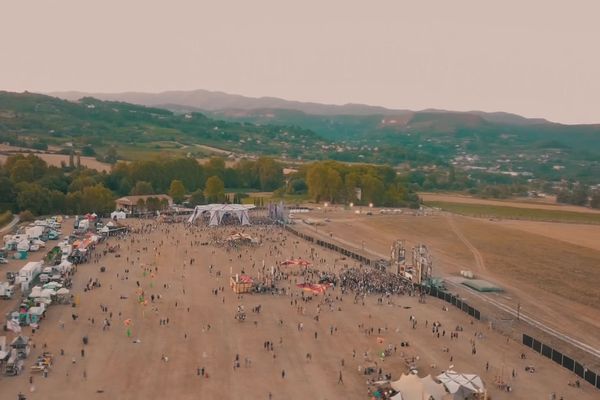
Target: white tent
(411, 387)
(118, 215)
(461, 386)
(218, 211)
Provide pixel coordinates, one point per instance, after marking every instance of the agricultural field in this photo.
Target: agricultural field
(545, 203)
(511, 212)
(55, 160)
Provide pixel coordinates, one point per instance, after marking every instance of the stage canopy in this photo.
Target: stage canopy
(461, 386)
(218, 211)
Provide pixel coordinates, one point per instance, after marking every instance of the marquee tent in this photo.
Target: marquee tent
(218, 211)
(461, 386)
(411, 387)
(118, 215)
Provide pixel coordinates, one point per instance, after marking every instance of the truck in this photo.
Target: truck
(11, 277)
(34, 232)
(30, 271)
(84, 225)
(6, 290)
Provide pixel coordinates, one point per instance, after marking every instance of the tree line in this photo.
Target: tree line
(29, 183)
(360, 184)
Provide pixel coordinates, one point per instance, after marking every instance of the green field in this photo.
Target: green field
(532, 214)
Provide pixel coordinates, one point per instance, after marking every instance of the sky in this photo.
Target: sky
(537, 58)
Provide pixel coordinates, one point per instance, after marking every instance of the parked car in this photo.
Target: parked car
(3, 260)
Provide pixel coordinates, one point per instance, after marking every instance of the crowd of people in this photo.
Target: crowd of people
(373, 281)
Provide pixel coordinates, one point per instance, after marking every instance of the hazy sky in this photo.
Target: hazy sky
(538, 58)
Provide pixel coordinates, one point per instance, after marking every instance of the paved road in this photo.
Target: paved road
(12, 223)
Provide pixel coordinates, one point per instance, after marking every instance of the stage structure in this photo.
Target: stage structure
(216, 213)
(398, 259)
(422, 264)
(278, 212)
(420, 270)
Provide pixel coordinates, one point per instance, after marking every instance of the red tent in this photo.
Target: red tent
(315, 288)
(298, 261)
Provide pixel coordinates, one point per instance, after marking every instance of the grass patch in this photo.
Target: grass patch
(505, 212)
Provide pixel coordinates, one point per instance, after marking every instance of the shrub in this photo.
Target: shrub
(26, 216)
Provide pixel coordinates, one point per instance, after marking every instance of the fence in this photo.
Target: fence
(562, 359)
(455, 301)
(450, 298)
(348, 253)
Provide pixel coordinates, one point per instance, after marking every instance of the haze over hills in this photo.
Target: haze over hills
(213, 101)
(205, 100)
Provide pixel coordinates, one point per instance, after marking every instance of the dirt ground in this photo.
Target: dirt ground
(115, 366)
(541, 204)
(553, 280)
(577, 234)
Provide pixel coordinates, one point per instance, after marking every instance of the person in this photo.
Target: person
(283, 374)
(340, 379)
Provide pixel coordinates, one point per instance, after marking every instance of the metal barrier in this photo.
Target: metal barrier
(563, 360)
(355, 256)
(455, 301)
(450, 298)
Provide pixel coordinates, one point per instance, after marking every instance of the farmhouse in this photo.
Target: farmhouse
(132, 204)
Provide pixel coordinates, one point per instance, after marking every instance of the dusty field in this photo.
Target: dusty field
(122, 368)
(577, 234)
(55, 160)
(553, 280)
(535, 204)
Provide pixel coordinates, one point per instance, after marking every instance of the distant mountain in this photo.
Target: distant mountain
(205, 100)
(213, 101)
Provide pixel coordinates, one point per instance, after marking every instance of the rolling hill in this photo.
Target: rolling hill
(35, 117)
(499, 143)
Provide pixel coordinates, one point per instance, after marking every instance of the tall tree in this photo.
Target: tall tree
(214, 192)
(142, 188)
(97, 199)
(197, 198)
(177, 191)
(270, 173)
(22, 171)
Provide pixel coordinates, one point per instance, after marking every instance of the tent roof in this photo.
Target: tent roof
(414, 388)
(225, 207)
(454, 381)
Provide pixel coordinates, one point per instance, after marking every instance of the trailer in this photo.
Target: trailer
(34, 232)
(6, 290)
(14, 365)
(23, 245)
(30, 271)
